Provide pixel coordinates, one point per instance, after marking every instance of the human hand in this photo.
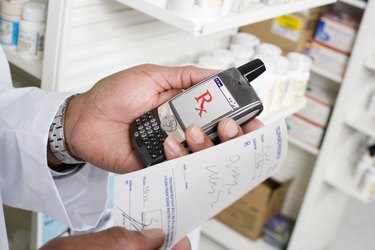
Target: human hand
(197, 140)
(97, 121)
(113, 239)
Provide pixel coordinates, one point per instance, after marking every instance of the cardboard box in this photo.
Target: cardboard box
(249, 214)
(289, 32)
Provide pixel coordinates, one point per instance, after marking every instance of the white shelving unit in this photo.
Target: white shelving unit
(196, 27)
(370, 62)
(362, 122)
(230, 239)
(270, 117)
(33, 67)
(324, 73)
(304, 146)
(356, 3)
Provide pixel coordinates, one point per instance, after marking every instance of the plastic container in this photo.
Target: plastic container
(300, 65)
(245, 39)
(213, 62)
(10, 17)
(268, 50)
(264, 85)
(224, 55)
(198, 10)
(242, 53)
(282, 67)
(32, 31)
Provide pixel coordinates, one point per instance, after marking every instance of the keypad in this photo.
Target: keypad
(150, 135)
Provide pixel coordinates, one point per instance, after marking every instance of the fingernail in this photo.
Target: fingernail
(196, 134)
(231, 128)
(173, 145)
(153, 233)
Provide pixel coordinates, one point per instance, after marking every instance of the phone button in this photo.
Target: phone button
(168, 123)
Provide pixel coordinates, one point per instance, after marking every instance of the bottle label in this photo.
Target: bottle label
(30, 42)
(8, 32)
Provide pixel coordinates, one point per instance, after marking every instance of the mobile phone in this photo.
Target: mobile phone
(226, 94)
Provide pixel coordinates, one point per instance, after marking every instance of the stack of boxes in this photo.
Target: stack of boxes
(333, 41)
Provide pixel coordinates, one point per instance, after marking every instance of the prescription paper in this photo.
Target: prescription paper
(181, 194)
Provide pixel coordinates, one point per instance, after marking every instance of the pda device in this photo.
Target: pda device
(226, 94)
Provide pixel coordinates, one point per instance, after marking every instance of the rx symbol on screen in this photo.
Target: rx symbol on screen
(202, 99)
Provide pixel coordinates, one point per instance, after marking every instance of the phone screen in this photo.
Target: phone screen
(204, 103)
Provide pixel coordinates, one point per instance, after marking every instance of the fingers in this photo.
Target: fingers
(228, 129)
(252, 125)
(173, 149)
(196, 139)
(116, 238)
(183, 244)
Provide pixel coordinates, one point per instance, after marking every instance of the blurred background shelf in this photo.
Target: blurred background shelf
(326, 74)
(370, 63)
(362, 122)
(343, 181)
(195, 27)
(32, 67)
(304, 146)
(356, 3)
(270, 117)
(230, 239)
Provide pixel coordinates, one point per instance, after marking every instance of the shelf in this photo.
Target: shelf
(362, 122)
(304, 146)
(259, 13)
(326, 74)
(270, 117)
(344, 182)
(229, 238)
(370, 63)
(33, 67)
(356, 3)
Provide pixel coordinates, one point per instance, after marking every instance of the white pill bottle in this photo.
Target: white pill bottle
(32, 30)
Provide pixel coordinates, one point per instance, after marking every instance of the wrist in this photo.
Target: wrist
(61, 130)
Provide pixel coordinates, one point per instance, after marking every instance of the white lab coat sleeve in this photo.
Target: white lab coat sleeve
(25, 178)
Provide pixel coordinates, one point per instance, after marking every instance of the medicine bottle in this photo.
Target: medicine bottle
(245, 39)
(282, 66)
(300, 65)
(213, 62)
(265, 83)
(268, 49)
(242, 53)
(9, 23)
(32, 30)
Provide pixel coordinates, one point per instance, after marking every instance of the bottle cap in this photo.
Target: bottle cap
(12, 9)
(299, 61)
(245, 39)
(34, 11)
(268, 49)
(252, 70)
(282, 65)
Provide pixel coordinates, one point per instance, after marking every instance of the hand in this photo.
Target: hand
(113, 239)
(197, 140)
(97, 121)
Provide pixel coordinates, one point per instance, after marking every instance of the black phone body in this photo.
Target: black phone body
(227, 94)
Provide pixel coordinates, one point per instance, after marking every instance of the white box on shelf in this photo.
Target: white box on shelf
(337, 30)
(319, 105)
(328, 58)
(304, 130)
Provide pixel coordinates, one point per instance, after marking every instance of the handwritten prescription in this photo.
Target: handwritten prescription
(181, 194)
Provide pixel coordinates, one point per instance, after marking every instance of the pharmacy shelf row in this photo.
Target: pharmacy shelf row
(310, 149)
(370, 63)
(33, 67)
(196, 27)
(360, 4)
(326, 74)
(231, 239)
